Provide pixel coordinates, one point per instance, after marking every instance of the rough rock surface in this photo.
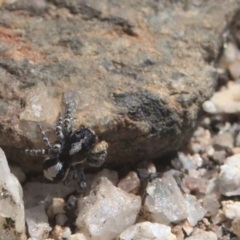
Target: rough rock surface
(12, 223)
(127, 67)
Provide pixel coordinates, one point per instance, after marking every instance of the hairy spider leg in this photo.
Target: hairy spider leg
(79, 176)
(58, 129)
(45, 138)
(34, 152)
(68, 118)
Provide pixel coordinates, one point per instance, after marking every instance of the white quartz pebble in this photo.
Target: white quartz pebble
(107, 211)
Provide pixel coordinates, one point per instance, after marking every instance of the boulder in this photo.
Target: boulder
(136, 71)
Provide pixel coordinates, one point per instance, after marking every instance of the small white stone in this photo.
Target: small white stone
(231, 209)
(61, 219)
(37, 222)
(146, 231)
(66, 233)
(58, 205)
(78, 236)
(209, 107)
(164, 202)
(203, 236)
(227, 99)
(195, 211)
(229, 176)
(107, 211)
(130, 183)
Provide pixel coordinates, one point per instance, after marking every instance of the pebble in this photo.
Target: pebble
(78, 236)
(211, 204)
(130, 183)
(147, 230)
(164, 202)
(195, 184)
(58, 205)
(61, 233)
(195, 210)
(227, 99)
(203, 236)
(231, 209)
(107, 211)
(219, 156)
(236, 226)
(37, 222)
(229, 176)
(209, 107)
(190, 162)
(223, 141)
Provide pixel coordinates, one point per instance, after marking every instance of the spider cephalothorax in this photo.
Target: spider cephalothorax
(70, 150)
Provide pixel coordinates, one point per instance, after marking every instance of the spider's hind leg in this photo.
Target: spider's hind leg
(45, 138)
(68, 118)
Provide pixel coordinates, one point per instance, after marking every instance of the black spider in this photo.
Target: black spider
(70, 150)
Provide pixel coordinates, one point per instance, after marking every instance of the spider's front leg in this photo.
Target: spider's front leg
(35, 152)
(68, 118)
(58, 129)
(98, 154)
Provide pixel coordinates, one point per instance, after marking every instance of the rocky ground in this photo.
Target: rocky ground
(192, 194)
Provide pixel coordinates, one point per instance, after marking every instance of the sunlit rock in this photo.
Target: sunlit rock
(107, 211)
(147, 231)
(164, 202)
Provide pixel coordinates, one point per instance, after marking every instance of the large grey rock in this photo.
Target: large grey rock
(137, 71)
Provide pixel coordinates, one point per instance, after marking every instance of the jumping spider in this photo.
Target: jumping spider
(70, 150)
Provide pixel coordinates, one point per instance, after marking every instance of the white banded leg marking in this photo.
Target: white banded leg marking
(68, 117)
(52, 171)
(58, 129)
(45, 138)
(34, 152)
